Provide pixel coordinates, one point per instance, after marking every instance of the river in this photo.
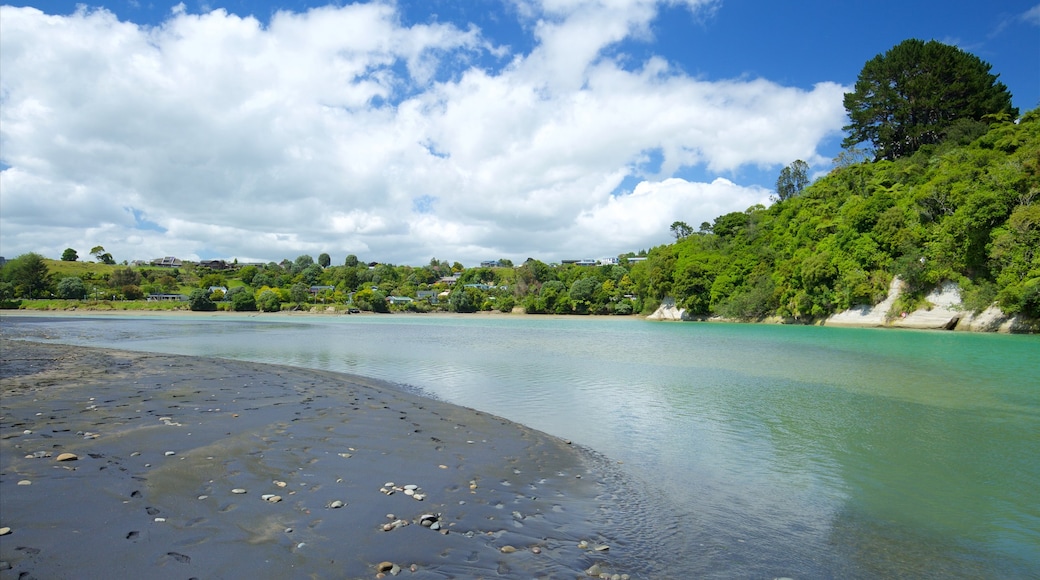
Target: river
(777, 451)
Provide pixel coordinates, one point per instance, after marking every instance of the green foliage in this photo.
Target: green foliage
(69, 255)
(123, 277)
(963, 212)
(465, 299)
(914, 95)
(242, 301)
(268, 301)
(324, 260)
(28, 274)
(199, 301)
(792, 180)
(72, 288)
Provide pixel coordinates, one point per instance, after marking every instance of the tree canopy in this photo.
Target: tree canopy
(911, 96)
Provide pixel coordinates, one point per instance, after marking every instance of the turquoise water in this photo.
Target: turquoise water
(775, 450)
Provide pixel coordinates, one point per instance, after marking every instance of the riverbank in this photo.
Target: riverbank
(193, 467)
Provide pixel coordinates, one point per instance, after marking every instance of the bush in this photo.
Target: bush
(243, 302)
(199, 300)
(72, 288)
(268, 301)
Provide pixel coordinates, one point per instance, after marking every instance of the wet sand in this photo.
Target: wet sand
(177, 458)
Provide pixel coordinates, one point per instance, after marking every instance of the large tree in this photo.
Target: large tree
(910, 95)
(29, 273)
(792, 180)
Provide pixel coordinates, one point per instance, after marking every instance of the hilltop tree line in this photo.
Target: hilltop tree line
(949, 194)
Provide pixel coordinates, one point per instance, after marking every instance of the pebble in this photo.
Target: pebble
(336, 504)
(507, 549)
(67, 457)
(169, 453)
(384, 566)
(25, 482)
(4, 531)
(238, 490)
(270, 497)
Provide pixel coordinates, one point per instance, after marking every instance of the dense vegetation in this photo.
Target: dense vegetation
(965, 210)
(952, 195)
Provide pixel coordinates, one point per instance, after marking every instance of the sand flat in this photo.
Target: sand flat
(163, 440)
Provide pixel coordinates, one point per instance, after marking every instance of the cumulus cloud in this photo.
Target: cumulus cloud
(341, 130)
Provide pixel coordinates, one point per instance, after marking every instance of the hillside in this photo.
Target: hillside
(966, 210)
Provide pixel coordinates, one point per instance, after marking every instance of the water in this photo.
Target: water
(778, 451)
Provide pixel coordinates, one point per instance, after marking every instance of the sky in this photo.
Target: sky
(406, 131)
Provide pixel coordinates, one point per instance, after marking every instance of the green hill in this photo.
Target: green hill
(965, 210)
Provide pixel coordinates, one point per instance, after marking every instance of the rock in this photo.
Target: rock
(4, 531)
(384, 566)
(238, 490)
(25, 482)
(169, 453)
(602, 548)
(507, 549)
(536, 550)
(336, 505)
(411, 486)
(419, 497)
(271, 498)
(67, 457)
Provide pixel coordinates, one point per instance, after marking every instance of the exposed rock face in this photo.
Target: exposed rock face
(668, 311)
(946, 313)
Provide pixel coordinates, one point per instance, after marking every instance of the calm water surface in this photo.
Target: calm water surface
(777, 451)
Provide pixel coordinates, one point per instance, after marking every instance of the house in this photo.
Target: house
(609, 262)
(491, 264)
(582, 262)
(428, 295)
(166, 298)
(449, 280)
(167, 262)
(399, 300)
(314, 290)
(215, 264)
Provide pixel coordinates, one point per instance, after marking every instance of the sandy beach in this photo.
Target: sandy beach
(188, 467)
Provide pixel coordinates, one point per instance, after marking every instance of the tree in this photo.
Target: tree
(910, 95)
(792, 180)
(199, 300)
(298, 293)
(72, 288)
(681, 230)
(324, 260)
(29, 273)
(124, 277)
(101, 255)
(351, 261)
(268, 301)
(69, 255)
(243, 301)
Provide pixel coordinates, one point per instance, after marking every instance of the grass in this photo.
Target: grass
(101, 305)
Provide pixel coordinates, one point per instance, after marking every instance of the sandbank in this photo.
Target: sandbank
(178, 460)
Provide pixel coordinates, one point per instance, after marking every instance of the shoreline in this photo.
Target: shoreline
(165, 443)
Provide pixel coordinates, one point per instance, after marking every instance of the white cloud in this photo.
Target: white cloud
(1032, 16)
(339, 130)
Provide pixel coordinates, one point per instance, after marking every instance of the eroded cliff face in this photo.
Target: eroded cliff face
(946, 312)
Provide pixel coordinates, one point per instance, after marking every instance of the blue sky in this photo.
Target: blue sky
(417, 129)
